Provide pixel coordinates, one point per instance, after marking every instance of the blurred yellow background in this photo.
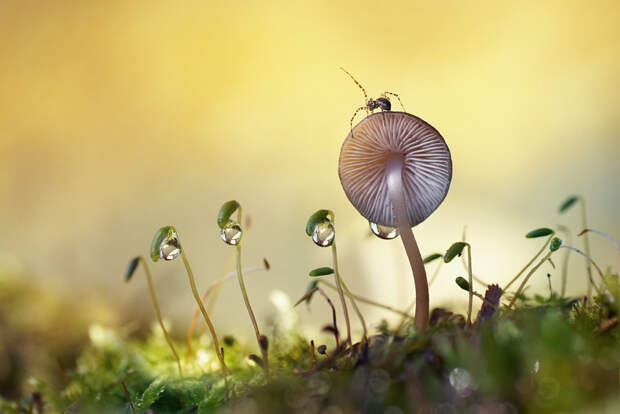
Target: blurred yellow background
(119, 117)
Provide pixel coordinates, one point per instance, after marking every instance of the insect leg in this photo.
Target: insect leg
(355, 114)
(397, 97)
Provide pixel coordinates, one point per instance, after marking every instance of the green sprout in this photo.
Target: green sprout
(166, 245)
(131, 268)
(464, 284)
(321, 227)
(456, 250)
(231, 233)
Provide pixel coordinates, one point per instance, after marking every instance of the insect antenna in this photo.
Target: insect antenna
(357, 83)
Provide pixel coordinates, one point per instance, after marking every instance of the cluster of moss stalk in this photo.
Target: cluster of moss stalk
(321, 228)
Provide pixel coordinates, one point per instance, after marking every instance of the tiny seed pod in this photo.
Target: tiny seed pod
(463, 283)
(227, 209)
(322, 349)
(555, 244)
(568, 203)
(321, 271)
(165, 244)
(131, 268)
(432, 257)
(541, 232)
(455, 250)
(314, 219)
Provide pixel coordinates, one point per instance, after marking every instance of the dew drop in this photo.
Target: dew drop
(460, 380)
(231, 233)
(384, 232)
(170, 248)
(324, 233)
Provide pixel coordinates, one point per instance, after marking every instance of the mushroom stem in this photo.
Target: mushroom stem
(149, 280)
(396, 192)
(192, 283)
(338, 281)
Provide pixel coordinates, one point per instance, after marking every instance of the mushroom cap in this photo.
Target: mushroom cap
(427, 166)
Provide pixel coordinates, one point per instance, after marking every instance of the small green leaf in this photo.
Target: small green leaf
(131, 268)
(227, 210)
(160, 235)
(463, 283)
(431, 257)
(542, 232)
(568, 203)
(455, 250)
(314, 219)
(321, 271)
(555, 244)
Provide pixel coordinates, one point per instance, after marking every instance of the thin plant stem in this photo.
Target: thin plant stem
(435, 273)
(567, 232)
(126, 391)
(542, 249)
(205, 315)
(355, 308)
(600, 233)
(338, 281)
(474, 277)
(586, 244)
(589, 260)
(212, 291)
(149, 280)
(331, 305)
(531, 272)
(471, 286)
(246, 299)
(367, 301)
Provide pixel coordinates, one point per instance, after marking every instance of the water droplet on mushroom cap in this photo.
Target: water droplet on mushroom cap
(427, 166)
(231, 233)
(170, 248)
(384, 232)
(324, 233)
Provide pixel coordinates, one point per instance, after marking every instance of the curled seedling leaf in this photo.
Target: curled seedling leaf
(166, 232)
(463, 283)
(131, 268)
(321, 271)
(257, 360)
(310, 291)
(455, 250)
(315, 219)
(431, 257)
(568, 203)
(227, 210)
(555, 244)
(542, 232)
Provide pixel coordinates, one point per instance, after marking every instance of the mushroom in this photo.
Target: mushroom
(396, 169)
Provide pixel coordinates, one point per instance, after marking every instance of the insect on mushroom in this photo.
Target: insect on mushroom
(396, 170)
(383, 102)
